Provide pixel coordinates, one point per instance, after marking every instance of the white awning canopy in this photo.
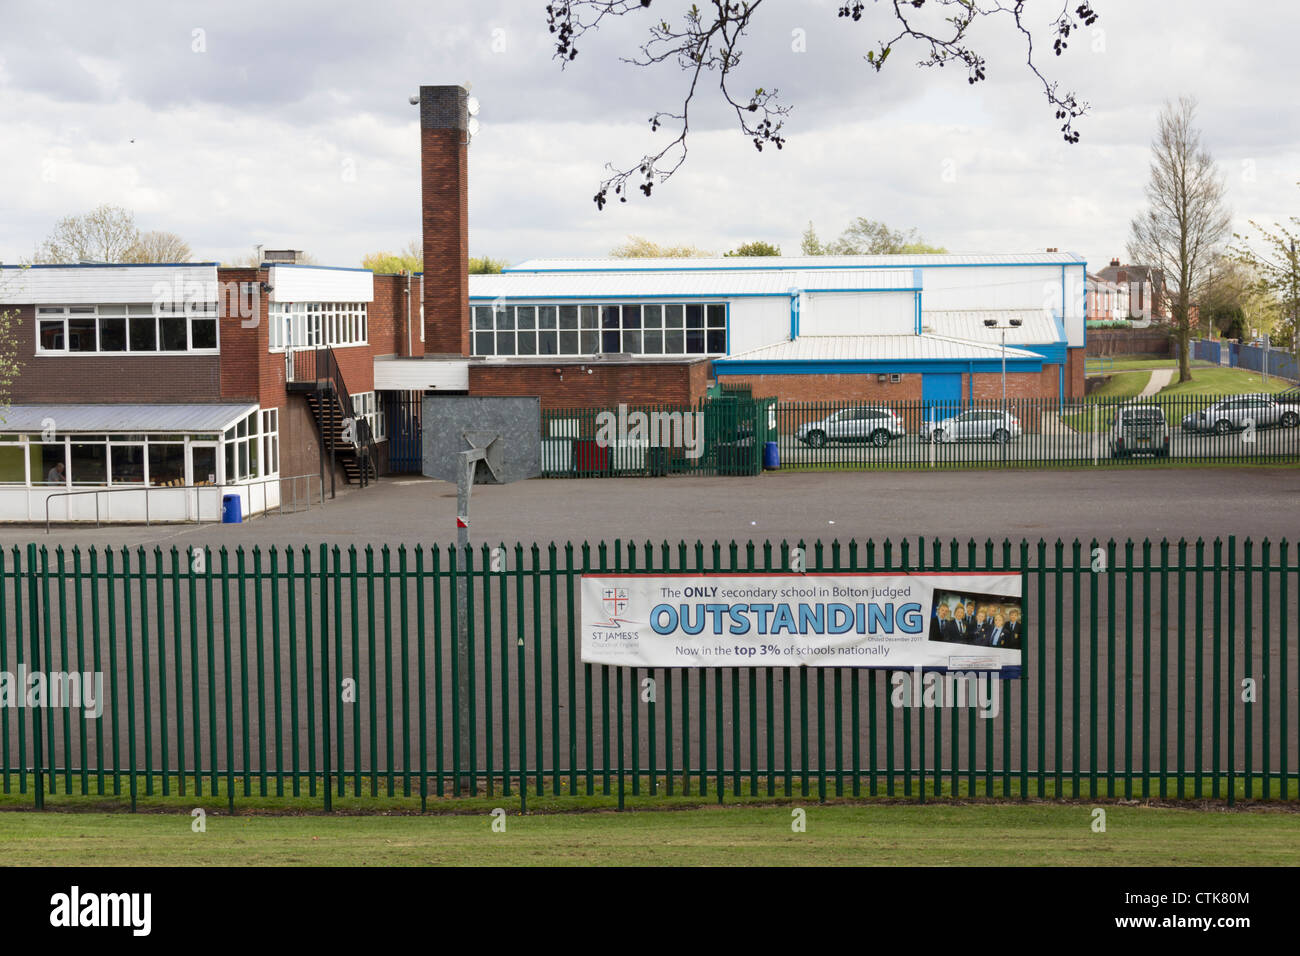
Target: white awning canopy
(122, 418)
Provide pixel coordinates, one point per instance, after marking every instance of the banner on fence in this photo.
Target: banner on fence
(943, 620)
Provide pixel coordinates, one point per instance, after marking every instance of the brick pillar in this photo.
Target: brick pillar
(444, 186)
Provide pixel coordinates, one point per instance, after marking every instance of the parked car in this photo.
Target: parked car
(976, 425)
(1233, 414)
(1290, 397)
(879, 426)
(1139, 430)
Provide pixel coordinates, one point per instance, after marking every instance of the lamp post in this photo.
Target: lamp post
(1011, 324)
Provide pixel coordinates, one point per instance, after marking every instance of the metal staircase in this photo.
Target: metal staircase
(315, 374)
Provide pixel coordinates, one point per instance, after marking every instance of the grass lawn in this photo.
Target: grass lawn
(947, 835)
(1095, 367)
(1214, 381)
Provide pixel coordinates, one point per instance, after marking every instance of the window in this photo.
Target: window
(309, 325)
(634, 328)
(368, 408)
(137, 327)
(271, 440)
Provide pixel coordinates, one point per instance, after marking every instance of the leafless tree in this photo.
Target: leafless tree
(1186, 219)
(158, 246)
(105, 234)
(710, 38)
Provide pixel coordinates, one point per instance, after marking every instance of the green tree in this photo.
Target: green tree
(1276, 262)
(1186, 219)
(10, 364)
(639, 247)
(867, 237)
(485, 265)
(755, 248)
(410, 259)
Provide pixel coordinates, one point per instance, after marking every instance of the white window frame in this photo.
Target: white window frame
(132, 311)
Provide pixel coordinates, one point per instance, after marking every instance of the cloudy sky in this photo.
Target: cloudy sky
(287, 124)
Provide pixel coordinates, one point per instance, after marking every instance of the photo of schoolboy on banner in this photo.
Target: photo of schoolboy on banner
(976, 620)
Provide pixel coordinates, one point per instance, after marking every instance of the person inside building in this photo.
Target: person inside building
(57, 475)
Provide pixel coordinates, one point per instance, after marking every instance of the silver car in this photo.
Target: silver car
(1240, 412)
(879, 426)
(977, 425)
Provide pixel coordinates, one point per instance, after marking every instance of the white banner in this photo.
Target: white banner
(946, 620)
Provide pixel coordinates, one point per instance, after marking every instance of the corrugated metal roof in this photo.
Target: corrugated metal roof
(768, 263)
(873, 348)
(121, 418)
(1037, 327)
(614, 285)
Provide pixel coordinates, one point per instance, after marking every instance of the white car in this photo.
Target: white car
(879, 426)
(976, 425)
(1234, 414)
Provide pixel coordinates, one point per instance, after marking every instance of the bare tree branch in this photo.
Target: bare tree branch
(711, 43)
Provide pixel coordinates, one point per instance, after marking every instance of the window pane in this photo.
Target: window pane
(254, 458)
(590, 343)
(569, 343)
(717, 340)
(483, 343)
(654, 342)
(144, 335)
(609, 316)
(527, 342)
(673, 316)
(546, 316)
(44, 458)
(166, 464)
(674, 342)
(173, 334)
(632, 340)
(547, 343)
(694, 341)
(609, 340)
(112, 310)
(112, 335)
(695, 316)
(505, 343)
(81, 335)
(631, 316)
(569, 316)
(52, 335)
(89, 464)
(526, 316)
(652, 316)
(506, 318)
(717, 316)
(203, 333)
(590, 317)
(128, 464)
(230, 461)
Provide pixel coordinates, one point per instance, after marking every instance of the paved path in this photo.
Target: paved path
(1160, 377)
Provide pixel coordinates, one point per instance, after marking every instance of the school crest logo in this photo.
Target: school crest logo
(614, 601)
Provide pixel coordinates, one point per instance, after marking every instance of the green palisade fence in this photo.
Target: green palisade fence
(840, 435)
(1163, 670)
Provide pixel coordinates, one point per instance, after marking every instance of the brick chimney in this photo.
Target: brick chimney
(1114, 263)
(444, 187)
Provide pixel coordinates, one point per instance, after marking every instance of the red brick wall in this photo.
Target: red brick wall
(245, 339)
(388, 316)
(1075, 368)
(109, 378)
(444, 179)
(606, 386)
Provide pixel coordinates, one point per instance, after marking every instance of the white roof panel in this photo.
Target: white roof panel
(122, 418)
(96, 284)
(615, 285)
(1037, 327)
(873, 348)
(769, 263)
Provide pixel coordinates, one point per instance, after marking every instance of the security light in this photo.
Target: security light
(1015, 323)
(991, 323)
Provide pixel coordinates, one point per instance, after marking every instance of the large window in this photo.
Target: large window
(126, 329)
(367, 407)
(670, 328)
(304, 325)
(113, 460)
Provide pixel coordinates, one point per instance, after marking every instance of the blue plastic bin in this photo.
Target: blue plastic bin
(771, 456)
(231, 510)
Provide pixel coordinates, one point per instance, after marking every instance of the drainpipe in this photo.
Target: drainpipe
(409, 353)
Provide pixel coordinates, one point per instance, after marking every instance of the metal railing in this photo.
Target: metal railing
(224, 672)
(218, 491)
(324, 371)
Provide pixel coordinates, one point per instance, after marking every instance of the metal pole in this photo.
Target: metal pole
(464, 485)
